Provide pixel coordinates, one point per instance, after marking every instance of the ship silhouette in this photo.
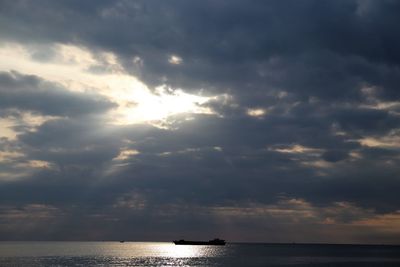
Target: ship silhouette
(214, 242)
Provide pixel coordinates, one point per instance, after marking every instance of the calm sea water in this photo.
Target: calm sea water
(168, 254)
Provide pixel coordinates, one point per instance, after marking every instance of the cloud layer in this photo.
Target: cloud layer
(302, 122)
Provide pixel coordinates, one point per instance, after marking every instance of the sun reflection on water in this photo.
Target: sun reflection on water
(186, 251)
(127, 250)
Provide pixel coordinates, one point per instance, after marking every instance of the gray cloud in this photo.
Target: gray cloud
(31, 93)
(326, 74)
(327, 48)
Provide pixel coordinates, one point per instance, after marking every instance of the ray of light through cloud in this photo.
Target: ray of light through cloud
(71, 67)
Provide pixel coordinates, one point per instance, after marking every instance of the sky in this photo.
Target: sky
(256, 121)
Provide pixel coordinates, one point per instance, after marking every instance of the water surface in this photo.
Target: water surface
(168, 254)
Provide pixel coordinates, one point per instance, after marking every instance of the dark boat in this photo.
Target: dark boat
(214, 242)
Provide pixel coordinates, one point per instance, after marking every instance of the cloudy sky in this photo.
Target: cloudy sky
(274, 121)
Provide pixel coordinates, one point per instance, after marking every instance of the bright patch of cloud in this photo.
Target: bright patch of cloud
(164, 103)
(391, 140)
(295, 149)
(6, 128)
(256, 112)
(175, 60)
(26, 119)
(73, 66)
(6, 156)
(35, 164)
(126, 154)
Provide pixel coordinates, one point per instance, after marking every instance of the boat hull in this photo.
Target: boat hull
(203, 243)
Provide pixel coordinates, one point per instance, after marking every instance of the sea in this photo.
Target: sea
(168, 254)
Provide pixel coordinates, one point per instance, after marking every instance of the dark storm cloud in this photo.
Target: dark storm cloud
(206, 155)
(367, 121)
(325, 72)
(230, 159)
(31, 93)
(326, 47)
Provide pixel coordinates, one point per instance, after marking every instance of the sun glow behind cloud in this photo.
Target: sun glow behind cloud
(72, 66)
(151, 107)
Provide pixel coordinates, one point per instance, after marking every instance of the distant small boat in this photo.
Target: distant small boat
(121, 241)
(214, 242)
